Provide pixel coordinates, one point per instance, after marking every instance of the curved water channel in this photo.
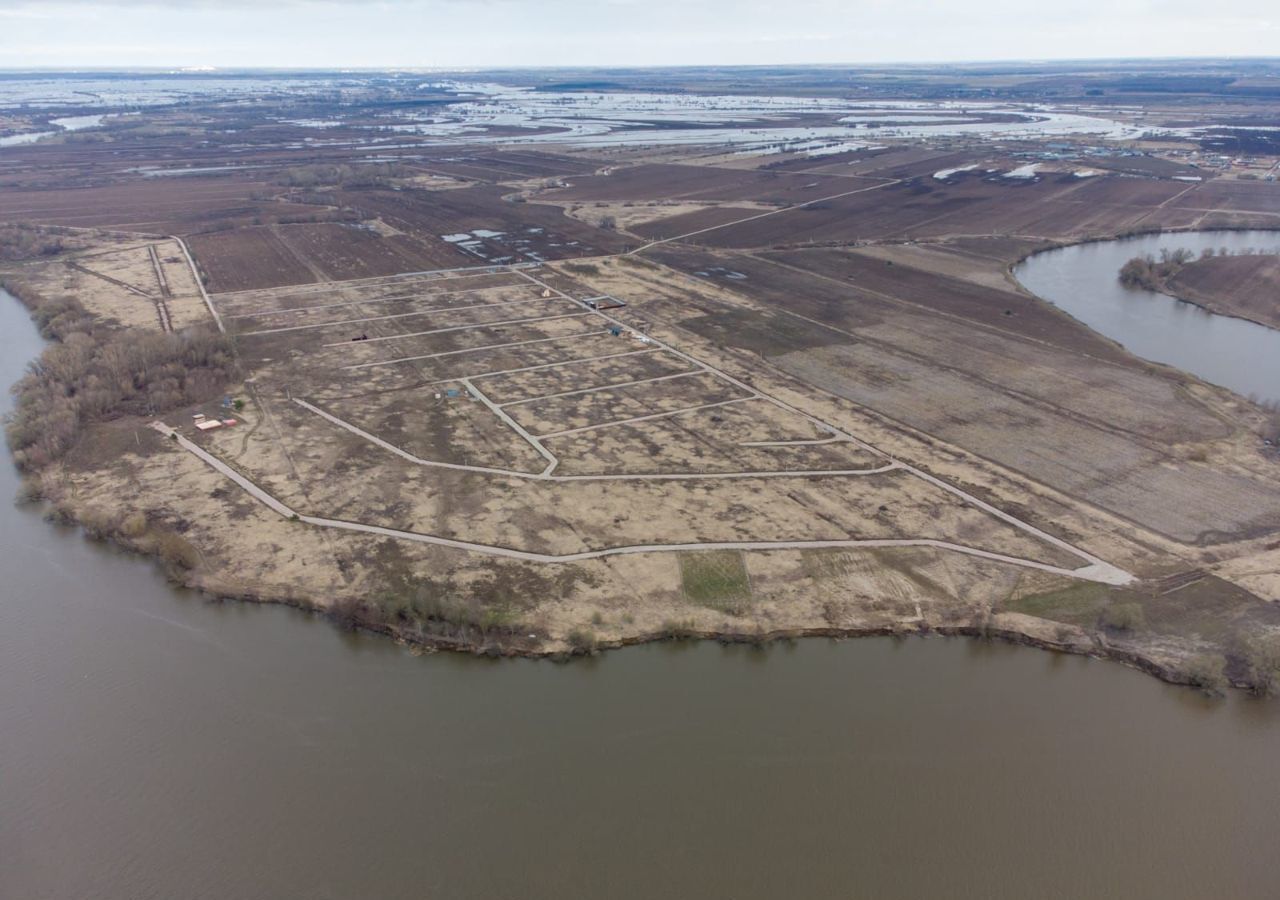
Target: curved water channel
(1083, 280)
(68, 123)
(154, 744)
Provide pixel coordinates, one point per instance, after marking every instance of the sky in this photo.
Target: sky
(493, 33)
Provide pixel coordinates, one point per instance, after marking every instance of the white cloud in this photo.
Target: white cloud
(375, 33)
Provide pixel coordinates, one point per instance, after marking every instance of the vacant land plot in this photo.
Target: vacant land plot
(142, 284)
(154, 205)
(247, 258)
(504, 165)
(1232, 196)
(924, 208)
(702, 183)
(884, 162)
(416, 231)
(1033, 390)
(718, 581)
(484, 214)
(510, 415)
(495, 390)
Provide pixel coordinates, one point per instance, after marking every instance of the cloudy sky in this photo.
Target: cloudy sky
(455, 33)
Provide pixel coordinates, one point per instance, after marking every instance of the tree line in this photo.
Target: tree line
(92, 373)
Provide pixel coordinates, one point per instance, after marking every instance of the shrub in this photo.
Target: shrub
(18, 242)
(1261, 656)
(1150, 272)
(1125, 617)
(134, 524)
(1206, 673)
(681, 630)
(582, 640)
(176, 550)
(345, 612)
(97, 523)
(31, 490)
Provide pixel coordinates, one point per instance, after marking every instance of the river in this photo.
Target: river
(67, 123)
(1083, 279)
(154, 744)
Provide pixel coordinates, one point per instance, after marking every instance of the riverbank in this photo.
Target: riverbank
(1168, 663)
(1235, 351)
(199, 713)
(126, 482)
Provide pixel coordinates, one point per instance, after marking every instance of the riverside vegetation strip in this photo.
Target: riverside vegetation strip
(495, 465)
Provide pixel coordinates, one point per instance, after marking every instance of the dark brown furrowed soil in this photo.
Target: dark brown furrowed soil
(926, 208)
(699, 183)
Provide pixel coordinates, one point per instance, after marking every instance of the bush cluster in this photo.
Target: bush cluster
(1150, 272)
(93, 374)
(18, 242)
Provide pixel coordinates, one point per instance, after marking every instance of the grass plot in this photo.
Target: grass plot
(717, 580)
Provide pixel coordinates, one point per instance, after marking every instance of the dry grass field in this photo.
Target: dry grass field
(531, 401)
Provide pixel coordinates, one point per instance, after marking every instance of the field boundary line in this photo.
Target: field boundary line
(386, 298)
(772, 212)
(550, 365)
(474, 271)
(403, 315)
(645, 418)
(533, 441)
(1118, 575)
(604, 387)
(195, 273)
(638, 476)
(1104, 574)
(404, 359)
(410, 334)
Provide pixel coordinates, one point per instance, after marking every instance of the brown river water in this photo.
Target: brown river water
(156, 745)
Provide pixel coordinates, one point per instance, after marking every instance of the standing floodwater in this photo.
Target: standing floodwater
(155, 745)
(1084, 281)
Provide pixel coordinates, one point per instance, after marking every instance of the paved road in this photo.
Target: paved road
(531, 440)
(646, 418)
(470, 327)
(1105, 571)
(430, 311)
(464, 350)
(1104, 574)
(602, 387)
(195, 273)
(1095, 569)
(547, 476)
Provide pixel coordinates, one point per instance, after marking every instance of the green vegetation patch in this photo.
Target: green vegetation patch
(1080, 604)
(828, 565)
(717, 580)
(1210, 608)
